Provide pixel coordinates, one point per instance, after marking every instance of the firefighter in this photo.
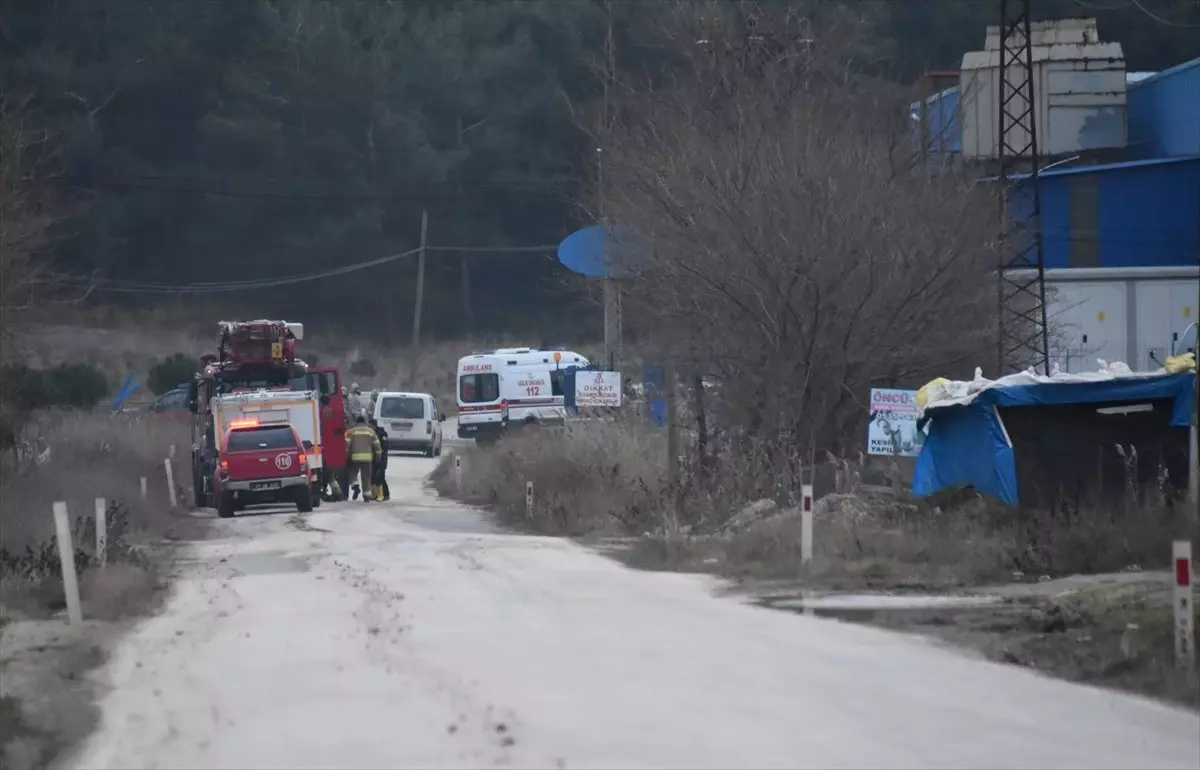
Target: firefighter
(381, 490)
(362, 450)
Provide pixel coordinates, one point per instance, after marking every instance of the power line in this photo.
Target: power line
(113, 285)
(496, 249)
(136, 287)
(548, 188)
(1161, 20)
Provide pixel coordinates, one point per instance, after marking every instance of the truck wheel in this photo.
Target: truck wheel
(198, 496)
(227, 506)
(304, 500)
(429, 452)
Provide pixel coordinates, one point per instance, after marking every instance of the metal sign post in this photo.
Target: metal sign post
(1185, 618)
(170, 481)
(806, 523)
(101, 531)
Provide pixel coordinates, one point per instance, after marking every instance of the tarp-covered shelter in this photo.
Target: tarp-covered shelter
(1030, 439)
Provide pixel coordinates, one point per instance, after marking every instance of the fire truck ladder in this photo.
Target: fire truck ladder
(1022, 274)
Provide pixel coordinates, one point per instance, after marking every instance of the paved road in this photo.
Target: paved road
(412, 634)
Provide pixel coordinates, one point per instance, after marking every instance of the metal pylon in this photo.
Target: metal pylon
(1022, 275)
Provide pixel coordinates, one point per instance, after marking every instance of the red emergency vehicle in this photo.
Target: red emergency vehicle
(261, 355)
(261, 463)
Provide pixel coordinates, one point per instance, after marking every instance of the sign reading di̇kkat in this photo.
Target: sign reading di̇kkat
(893, 426)
(597, 388)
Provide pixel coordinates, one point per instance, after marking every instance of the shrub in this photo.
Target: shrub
(89, 456)
(170, 372)
(609, 479)
(73, 386)
(588, 478)
(363, 367)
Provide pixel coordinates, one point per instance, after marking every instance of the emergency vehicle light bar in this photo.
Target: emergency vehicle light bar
(249, 422)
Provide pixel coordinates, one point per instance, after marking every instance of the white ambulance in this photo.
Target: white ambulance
(517, 386)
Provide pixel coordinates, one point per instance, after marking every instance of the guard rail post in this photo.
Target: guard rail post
(806, 523)
(66, 558)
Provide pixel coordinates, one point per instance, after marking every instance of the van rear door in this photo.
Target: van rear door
(404, 417)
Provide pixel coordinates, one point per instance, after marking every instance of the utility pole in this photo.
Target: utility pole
(416, 334)
(1022, 271)
(467, 313)
(672, 438)
(612, 291)
(1194, 430)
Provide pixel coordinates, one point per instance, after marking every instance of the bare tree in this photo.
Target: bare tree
(27, 210)
(782, 251)
(27, 219)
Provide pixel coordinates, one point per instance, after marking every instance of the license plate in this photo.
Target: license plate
(258, 486)
(402, 426)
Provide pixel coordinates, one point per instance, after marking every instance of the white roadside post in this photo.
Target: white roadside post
(101, 531)
(806, 523)
(171, 452)
(458, 471)
(66, 557)
(143, 487)
(170, 481)
(529, 499)
(1185, 624)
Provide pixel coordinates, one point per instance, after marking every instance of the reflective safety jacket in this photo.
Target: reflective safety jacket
(362, 445)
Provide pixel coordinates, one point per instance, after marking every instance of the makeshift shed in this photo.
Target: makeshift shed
(1031, 439)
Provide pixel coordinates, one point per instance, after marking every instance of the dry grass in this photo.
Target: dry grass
(588, 477)
(77, 458)
(608, 479)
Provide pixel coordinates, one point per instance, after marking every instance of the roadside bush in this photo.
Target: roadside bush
(599, 478)
(588, 478)
(363, 367)
(73, 386)
(76, 458)
(171, 371)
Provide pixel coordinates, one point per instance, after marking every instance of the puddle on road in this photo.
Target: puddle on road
(270, 563)
(868, 608)
(265, 563)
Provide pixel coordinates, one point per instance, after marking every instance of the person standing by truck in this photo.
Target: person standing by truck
(379, 469)
(362, 451)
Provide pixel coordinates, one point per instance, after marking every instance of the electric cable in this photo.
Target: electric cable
(138, 287)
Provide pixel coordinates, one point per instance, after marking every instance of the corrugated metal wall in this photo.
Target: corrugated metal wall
(1139, 214)
(943, 135)
(1164, 113)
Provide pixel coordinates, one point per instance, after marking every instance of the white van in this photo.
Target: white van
(412, 422)
(519, 386)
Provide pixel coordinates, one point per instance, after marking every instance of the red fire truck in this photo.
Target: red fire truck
(259, 357)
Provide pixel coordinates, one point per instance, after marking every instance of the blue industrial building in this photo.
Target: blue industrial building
(1164, 113)
(1143, 211)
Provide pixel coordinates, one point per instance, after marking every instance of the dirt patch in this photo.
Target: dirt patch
(1105, 631)
(47, 696)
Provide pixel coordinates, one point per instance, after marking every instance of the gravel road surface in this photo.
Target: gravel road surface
(414, 634)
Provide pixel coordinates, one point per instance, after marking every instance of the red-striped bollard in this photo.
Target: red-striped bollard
(1185, 624)
(806, 523)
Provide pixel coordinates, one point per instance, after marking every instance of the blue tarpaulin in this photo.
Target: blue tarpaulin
(128, 388)
(967, 444)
